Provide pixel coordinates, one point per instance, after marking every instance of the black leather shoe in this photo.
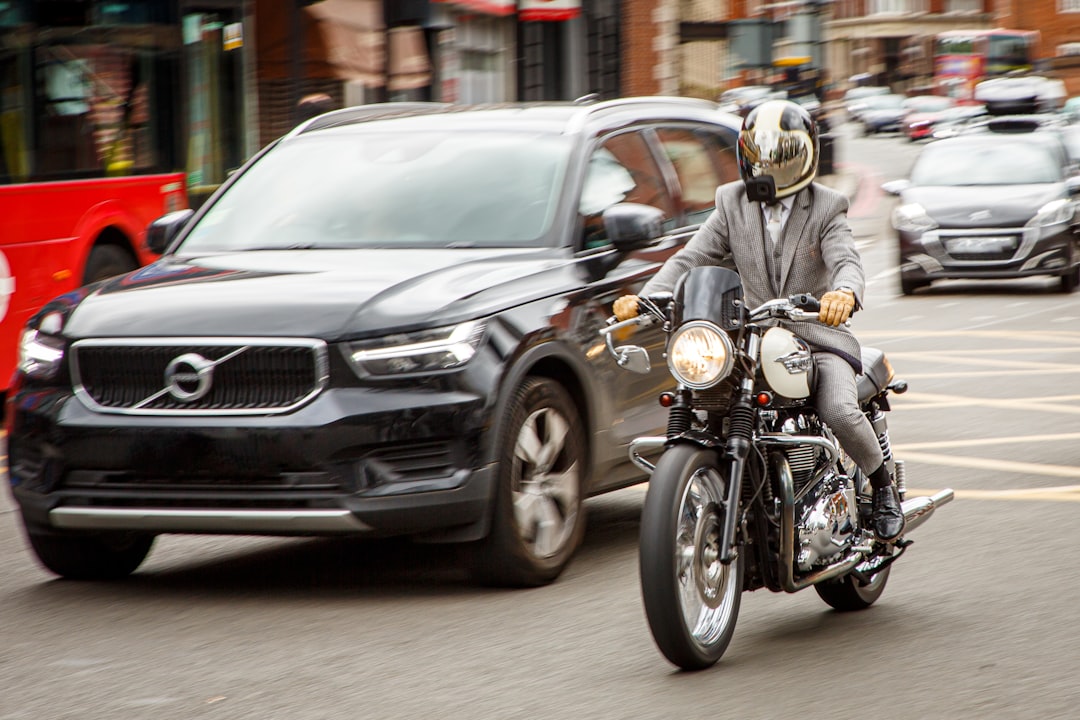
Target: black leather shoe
(888, 515)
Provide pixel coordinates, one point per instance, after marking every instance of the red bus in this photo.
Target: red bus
(963, 58)
(111, 115)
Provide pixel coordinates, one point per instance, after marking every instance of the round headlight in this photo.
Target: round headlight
(700, 355)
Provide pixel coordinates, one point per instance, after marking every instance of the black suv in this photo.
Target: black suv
(385, 323)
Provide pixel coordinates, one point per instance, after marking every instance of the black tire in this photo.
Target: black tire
(692, 609)
(105, 556)
(1070, 281)
(847, 594)
(539, 519)
(909, 286)
(107, 261)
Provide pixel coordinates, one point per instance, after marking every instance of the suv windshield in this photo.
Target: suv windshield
(992, 163)
(417, 189)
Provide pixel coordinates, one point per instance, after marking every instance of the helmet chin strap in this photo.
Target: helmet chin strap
(761, 189)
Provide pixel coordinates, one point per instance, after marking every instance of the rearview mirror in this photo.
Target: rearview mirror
(633, 358)
(1072, 185)
(895, 187)
(630, 226)
(161, 232)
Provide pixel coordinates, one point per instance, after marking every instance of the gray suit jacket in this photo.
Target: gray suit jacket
(818, 255)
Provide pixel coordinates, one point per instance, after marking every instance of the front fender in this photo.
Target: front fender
(643, 446)
(524, 365)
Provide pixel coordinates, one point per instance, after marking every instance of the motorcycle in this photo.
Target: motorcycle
(751, 488)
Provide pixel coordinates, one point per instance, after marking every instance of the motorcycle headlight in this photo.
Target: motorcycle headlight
(1054, 212)
(912, 217)
(41, 349)
(425, 351)
(700, 355)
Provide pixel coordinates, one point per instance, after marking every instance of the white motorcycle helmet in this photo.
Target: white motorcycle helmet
(778, 140)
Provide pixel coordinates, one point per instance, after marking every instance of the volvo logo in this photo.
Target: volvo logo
(189, 376)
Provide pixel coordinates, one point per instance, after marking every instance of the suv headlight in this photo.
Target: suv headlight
(700, 355)
(41, 349)
(1054, 212)
(424, 351)
(912, 218)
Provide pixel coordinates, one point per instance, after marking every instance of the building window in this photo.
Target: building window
(1069, 6)
(897, 7)
(964, 7)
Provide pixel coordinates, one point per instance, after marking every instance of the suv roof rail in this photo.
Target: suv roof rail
(661, 101)
(364, 113)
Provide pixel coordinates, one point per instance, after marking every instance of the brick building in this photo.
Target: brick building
(891, 41)
(1057, 51)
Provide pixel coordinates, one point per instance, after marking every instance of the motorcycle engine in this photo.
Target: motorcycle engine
(828, 519)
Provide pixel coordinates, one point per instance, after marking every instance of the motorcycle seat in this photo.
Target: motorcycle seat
(875, 375)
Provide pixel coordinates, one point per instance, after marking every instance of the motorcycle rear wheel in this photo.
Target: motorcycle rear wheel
(691, 599)
(847, 594)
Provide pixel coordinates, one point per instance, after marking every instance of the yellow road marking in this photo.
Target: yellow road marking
(1036, 494)
(943, 358)
(982, 373)
(1047, 335)
(923, 401)
(1007, 466)
(960, 352)
(1012, 440)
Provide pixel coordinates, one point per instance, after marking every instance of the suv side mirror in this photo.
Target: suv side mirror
(630, 226)
(895, 187)
(161, 232)
(1072, 185)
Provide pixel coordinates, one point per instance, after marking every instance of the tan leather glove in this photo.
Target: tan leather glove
(836, 307)
(625, 307)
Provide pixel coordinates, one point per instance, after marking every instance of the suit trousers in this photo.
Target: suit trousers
(837, 401)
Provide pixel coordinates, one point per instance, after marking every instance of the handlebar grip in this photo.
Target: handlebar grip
(805, 301)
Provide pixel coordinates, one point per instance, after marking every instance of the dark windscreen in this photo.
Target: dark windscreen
(409, 189)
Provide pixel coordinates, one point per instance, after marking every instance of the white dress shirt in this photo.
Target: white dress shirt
(785, 212)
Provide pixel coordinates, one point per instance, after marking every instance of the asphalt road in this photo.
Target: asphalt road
(979, 619)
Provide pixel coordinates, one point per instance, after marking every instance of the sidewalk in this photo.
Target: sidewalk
(841, 181)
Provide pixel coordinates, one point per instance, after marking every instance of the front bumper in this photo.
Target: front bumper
(352, 461)
(991, 253)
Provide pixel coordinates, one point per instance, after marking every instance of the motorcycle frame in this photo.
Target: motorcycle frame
(732, 455)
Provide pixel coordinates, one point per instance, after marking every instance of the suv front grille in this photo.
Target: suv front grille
(219, 376)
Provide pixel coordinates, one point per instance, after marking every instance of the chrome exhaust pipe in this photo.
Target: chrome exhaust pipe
(916, 512)
(919, 509)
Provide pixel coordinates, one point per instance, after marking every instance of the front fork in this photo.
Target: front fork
(740, 439)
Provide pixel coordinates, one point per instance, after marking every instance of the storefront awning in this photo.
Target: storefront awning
(488, 7)
(530, 10)
(355, 38)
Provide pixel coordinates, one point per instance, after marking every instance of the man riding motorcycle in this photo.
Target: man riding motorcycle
(785, 234)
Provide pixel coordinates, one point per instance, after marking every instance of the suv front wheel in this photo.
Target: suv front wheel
(539, 518)
(105, 556)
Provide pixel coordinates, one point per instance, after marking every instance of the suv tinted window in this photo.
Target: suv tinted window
(621, 169)
(703, 162)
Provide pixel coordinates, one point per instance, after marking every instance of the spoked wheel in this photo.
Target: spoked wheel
(848, 593)
(691, 599)
(539, 517)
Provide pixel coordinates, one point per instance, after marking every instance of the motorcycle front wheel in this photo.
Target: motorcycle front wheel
(691, 599)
